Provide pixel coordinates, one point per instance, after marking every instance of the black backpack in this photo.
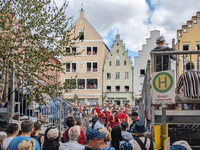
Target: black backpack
(3, 148)
(67, 136)
(142, 145)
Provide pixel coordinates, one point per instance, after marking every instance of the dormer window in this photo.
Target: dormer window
(179, 34)
(195, 20)
(185, 30)
(190, 25)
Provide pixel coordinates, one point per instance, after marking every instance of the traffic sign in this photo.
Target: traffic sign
(163, 91)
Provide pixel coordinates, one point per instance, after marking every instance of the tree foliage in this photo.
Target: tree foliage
(32, 33)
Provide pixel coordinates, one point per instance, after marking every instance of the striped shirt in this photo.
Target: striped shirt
(190, 81)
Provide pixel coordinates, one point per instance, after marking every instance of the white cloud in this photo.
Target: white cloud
(131, 17)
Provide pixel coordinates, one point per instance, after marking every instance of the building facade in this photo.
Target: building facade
(140, 62)
(86, 67)
(188, 40)
(117, 75)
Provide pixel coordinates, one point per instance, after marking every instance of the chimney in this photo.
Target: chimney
(82, 12)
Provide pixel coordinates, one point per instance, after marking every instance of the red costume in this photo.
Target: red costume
(121, 117)
(96, 110)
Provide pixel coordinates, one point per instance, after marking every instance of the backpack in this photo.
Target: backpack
(126, 146)
(142, 145)
(178, 147)
(3, 148)
(67, 136)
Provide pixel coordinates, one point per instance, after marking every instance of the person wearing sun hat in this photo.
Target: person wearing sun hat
(100, 122)
(51, 139)
(94, 140)
(141, 141)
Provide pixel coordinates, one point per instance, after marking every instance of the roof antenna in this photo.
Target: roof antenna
(81, 6)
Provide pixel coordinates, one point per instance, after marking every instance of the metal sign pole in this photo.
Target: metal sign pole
(164, 106)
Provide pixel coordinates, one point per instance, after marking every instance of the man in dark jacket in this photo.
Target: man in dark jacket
(162, 61)
(134, 117)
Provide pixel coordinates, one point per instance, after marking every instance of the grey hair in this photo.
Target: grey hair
(74, 132)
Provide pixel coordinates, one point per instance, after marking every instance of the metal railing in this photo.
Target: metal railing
(53, 113)
(177, 119)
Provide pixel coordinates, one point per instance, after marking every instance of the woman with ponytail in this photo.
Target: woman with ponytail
(12, 131)
(36, 132)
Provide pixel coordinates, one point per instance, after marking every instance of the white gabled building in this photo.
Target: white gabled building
(140, 62)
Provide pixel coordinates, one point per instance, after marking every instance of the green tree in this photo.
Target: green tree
(75, 98)
(32, 32)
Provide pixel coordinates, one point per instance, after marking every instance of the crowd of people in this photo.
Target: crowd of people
(73, 138)
(109, 130)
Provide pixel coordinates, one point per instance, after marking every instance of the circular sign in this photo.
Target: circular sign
(163, 82)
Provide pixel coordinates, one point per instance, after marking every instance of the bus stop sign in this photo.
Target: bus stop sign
(163, 91)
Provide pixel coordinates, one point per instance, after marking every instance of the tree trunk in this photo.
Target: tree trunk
(2, 85)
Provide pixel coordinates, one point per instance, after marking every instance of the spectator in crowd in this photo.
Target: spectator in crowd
(82, 135)
(12, 131)
(94, 103)
(70, 122)
(141, 141)
(65, 111)
(74, 134)
(3, 135)
(116, 137)
(51, 139)
(27, 145)
(54, 110)
(100, 122)
(126, 135)
(107, 139)
(36, 133)
(180, 145)
(94, 140)
(94, 120)
(27, 128)
(160, 66)
(189, 81)
(134, 117)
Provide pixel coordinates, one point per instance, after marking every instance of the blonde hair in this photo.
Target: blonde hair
(107, 138)
(74, 132)
(27, 145)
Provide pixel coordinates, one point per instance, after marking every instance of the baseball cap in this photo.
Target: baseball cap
(160, 39)
(94, 133)
(52, 134)
(101, 115)
(134, 114)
